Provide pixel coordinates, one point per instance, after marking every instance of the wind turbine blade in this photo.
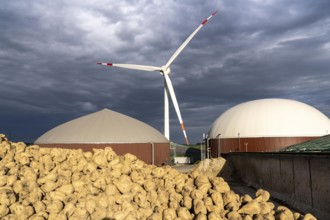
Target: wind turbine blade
(176, 105)
(132, 66)
(184, 44)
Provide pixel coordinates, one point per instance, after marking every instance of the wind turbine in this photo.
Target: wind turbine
(168, 87)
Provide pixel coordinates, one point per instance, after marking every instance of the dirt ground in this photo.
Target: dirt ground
(235, 184)
(184, 168)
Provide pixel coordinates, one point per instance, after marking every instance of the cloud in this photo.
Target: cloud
(249, 50)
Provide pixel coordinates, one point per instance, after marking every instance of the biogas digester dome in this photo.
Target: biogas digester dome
(109, 128)
(266, 125)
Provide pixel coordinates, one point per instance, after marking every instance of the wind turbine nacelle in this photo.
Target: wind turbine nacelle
(165, 70)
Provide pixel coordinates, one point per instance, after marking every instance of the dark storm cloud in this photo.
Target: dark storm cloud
(249, 50)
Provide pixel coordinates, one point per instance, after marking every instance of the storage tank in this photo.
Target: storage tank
(266, 125)
(109, 128)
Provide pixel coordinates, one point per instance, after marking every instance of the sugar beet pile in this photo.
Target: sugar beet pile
(52, 183)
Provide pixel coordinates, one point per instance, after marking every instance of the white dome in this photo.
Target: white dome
(270, 118)
(104, 126)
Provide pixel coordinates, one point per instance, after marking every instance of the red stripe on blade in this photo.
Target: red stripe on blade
(182, 127)
(187, 142)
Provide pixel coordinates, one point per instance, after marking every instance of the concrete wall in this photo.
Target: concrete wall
(301, 180)
(182, 160)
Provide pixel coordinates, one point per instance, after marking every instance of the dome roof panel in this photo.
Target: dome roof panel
(270, 118)
(104, 126)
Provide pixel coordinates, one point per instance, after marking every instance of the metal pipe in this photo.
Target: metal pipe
(239, 142)
(152, 153)
(203, 146)
(208, 149)
(218, 136)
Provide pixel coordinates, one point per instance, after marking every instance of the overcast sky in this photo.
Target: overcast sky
(252, 49)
